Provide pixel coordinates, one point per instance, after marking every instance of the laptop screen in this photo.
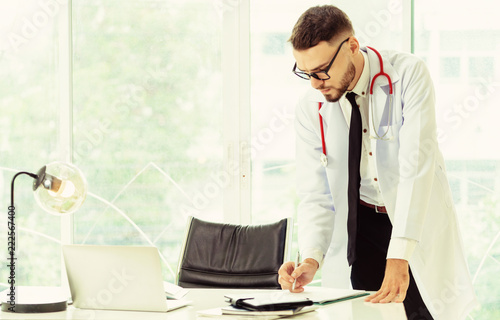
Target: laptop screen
(115, 277)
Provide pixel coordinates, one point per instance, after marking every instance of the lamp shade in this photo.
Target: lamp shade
(60, 188)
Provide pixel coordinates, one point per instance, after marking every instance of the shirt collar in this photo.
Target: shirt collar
(361, 87)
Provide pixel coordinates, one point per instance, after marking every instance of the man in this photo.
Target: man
(371, 162)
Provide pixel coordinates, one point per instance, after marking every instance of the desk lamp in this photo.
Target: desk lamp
(60, 189)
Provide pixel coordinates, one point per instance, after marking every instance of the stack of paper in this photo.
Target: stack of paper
(173, 291)
(242, 314)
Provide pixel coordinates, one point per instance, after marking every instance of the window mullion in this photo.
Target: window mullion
(236, 109)
(408, 26)
(64, 66)
(245, 115)
(65, 81)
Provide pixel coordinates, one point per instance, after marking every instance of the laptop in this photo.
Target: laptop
(117, 278)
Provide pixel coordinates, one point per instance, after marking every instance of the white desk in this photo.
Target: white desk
(355, 309)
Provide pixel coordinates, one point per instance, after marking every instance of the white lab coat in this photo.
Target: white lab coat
(412, 179)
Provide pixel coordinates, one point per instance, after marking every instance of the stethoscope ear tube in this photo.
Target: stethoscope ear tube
(381, 72)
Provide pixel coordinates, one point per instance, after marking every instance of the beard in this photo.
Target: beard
(345, 82)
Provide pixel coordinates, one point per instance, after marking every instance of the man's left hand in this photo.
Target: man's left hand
(395, 284)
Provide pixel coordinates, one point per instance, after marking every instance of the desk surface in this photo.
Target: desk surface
(202, 299)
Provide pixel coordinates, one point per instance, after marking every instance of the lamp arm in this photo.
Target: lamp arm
(34, 176)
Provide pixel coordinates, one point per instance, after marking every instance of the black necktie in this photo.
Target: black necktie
(354, 176)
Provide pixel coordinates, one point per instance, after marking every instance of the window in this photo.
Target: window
(30, 135)
(275, 92)
(467, 112)
(147, 118)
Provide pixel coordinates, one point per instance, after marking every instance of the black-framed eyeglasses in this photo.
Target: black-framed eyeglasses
(320, 75)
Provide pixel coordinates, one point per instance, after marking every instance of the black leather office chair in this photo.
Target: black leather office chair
(217, 255)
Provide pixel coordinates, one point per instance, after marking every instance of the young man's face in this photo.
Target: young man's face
(317, 58)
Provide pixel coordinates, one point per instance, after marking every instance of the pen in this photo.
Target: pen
(296, 265)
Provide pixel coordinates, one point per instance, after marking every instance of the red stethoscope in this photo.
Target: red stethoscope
(323, 157)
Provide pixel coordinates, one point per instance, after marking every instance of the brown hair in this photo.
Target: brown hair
(320, 23)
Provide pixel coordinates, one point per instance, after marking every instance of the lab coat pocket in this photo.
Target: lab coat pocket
(388, 133)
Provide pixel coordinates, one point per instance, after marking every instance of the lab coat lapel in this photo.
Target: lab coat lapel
(336, 135)
(315, 97)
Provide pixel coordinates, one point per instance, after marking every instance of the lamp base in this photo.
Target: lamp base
(35, 300)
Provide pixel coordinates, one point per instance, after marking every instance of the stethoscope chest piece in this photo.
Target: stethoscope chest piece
(323, 159)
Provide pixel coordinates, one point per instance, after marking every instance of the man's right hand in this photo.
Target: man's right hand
(304, 274)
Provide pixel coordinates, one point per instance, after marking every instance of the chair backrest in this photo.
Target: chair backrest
(218, 255)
